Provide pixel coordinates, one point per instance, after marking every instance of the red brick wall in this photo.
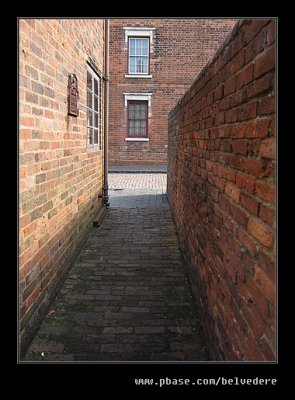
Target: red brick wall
(180, 49)
(59, 179)
(221, 187)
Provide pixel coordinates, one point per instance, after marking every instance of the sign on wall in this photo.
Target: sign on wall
(73, 95)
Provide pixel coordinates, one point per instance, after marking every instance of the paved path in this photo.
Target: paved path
(138, 190)
(126, 297)
(138, 168)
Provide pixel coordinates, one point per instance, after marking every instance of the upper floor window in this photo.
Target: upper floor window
(93, 109)
(138, 55)
(139, 44)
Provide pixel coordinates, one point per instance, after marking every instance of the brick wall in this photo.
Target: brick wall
(180, 49)
(221, 187)
(59, 179)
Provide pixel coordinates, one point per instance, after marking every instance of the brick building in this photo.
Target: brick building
(60, 153)
(152, 64)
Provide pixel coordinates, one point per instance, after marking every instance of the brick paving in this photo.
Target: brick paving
(138, 168)
(137, 190)
(126, 297)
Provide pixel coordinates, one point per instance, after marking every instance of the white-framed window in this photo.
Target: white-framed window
(138, 55)
(139, 46)
(137, 112)
(93, 109)
(138, 107)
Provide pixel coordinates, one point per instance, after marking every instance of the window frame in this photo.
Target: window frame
(148, 56)
(146, 119)
(95, 75)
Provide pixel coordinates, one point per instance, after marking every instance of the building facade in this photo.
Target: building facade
(152, 63)
(61, 90)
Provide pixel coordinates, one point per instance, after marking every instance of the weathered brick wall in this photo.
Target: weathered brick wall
(59, 179)
(221, 187)
(180, 49)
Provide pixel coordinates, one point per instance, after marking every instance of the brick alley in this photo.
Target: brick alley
(126, 297)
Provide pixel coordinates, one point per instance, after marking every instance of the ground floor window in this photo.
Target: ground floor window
(137, 118)
(93, 109)
(139, 113)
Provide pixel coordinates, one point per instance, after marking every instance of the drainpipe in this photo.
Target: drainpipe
(106, 114)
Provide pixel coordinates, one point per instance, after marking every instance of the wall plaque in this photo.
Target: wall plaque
(73, 95)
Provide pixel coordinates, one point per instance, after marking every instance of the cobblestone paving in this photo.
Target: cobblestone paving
(137, 190)
(138, 168)
(126, 297)
(138, 181)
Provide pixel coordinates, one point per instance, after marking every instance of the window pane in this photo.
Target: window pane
(132, 64)
(95, 134)
(96, 120)
(143, 128)
(132, 45)
(137, 125)
(89, 80)
(95, 86)
(95, 103)
(90, 135)
(145, 47)
(131, 127)
(139, 65)
(89, 99)
(141, 46)
(136, 114)
(145, 65)
(89, 118)
(137, 49)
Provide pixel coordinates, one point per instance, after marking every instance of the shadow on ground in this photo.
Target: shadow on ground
(126, 298)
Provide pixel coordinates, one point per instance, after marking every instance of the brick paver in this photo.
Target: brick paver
(138, 168)
(137, 190)
(138, 181)
(126, 297)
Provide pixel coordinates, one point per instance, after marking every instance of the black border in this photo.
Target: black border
(101, 377)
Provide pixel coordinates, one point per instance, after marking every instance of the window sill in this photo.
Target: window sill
(139, 76)
(93, 148)
(135, 139)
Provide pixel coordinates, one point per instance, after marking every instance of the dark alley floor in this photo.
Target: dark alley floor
(126, 298)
